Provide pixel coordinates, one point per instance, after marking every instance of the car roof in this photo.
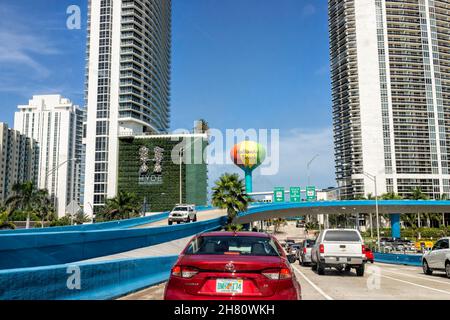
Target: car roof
(236, 234)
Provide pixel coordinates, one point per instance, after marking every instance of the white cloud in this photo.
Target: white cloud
(21, 46)
(309, 10)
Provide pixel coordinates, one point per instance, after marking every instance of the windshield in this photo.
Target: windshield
(180, 209)
(342, 235)
(232, 245)
(309, 243)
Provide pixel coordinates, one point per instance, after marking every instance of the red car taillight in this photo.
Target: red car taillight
(277, 274)
(321, 249)
(184, 272)
(304, 250)
(363, 249)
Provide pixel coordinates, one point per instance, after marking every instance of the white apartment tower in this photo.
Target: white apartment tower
(19, 157)
(127, 84)
(57, 125)
(390, 68)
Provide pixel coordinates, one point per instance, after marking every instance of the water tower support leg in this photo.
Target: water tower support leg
(395, 225)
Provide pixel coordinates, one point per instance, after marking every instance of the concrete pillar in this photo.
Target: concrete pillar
(395, 225)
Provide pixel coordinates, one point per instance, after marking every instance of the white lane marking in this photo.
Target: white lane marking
(313, 285)
(417, 285)
(418, 277)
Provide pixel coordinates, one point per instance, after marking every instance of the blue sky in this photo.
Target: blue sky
(237, 63)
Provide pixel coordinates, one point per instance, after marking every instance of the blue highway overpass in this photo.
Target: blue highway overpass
(392, 207)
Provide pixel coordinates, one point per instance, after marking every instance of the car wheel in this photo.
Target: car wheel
(313, 266)
(320, 269)
(360, 271)
(426, 269)
(195, 218)
(447, 269)
(178, 222)
(170, 223)
(348, 268)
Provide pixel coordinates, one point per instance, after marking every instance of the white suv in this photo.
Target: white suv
(438, 258)
(183, 213)
(340, 249)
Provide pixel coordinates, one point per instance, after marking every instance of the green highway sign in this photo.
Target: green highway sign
(278, 194)
(311, 193)
(295, 194)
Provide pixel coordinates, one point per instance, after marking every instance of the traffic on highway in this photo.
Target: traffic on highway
(334, 264)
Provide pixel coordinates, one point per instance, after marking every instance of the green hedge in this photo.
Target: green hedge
(434, 233)
(164, 196)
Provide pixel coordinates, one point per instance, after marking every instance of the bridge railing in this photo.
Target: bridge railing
(84, 281)
(118, 224)
(54, 248)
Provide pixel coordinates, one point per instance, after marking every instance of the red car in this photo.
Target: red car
(232, 266)
(369, 255)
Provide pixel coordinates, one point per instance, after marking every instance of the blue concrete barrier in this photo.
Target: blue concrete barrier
(53, 248)
(404, 259)
(119, 224)
(99, 280)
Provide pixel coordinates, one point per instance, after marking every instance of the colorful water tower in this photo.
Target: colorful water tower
(248, 155)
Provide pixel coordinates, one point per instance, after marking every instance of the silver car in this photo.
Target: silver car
(438, 259)
(304, 253)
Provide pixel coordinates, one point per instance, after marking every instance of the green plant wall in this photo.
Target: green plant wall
(164, 196)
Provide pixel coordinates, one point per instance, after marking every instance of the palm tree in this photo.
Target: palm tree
(24, 195)
(43, 207)
(417, 194)
(125, 205)
(391, 196)
(229, 193)
(81, 218)
(4, 221)
(204, 125)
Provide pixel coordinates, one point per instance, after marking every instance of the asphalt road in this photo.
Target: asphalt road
(381, 282)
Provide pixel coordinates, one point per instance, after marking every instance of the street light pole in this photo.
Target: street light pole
(308, 166)
(181, 181)
(56, 182)
(374, 179)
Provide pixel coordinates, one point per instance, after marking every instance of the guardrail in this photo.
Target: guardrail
(404, 259)
(84, 281)
(54, 248)
(119, 224)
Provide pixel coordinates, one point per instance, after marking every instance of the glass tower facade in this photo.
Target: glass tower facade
(127, 84)
(390, 65)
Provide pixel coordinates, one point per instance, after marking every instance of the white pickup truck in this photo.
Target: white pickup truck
(340, 249)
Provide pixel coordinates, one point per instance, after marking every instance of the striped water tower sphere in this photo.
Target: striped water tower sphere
(248, 155)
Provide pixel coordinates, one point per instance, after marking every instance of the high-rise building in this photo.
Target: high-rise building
(127, 84)
(57, 125)
(390, 69)
(19, 163)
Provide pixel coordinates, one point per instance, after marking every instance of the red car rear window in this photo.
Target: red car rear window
(232, 245)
